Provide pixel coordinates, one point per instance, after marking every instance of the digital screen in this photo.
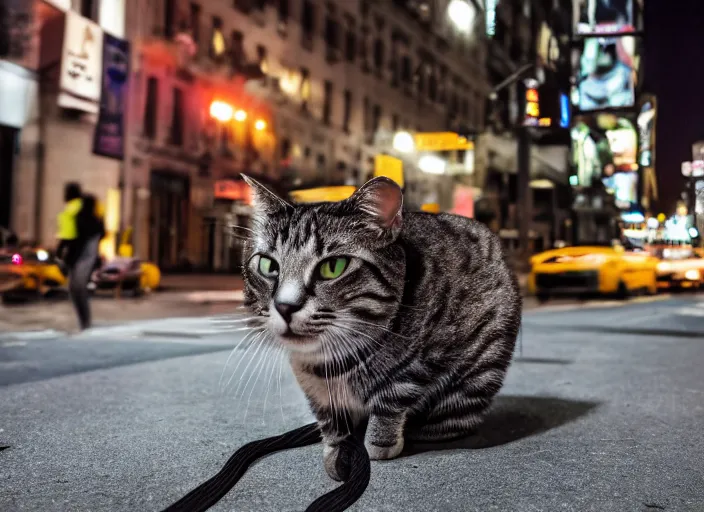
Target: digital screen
(646, 126)
(603, 145)
(605, 73)
(605, 16)
(624, 187)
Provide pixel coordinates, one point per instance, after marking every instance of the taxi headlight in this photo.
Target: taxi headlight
(664, 267)
(692, 275)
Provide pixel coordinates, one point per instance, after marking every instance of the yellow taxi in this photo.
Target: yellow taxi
(592, 269)
(29, 272)
(679, 267)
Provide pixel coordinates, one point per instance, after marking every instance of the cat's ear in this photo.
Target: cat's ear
(381, 199)
(264, 201)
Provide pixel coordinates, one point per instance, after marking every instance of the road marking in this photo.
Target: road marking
(13, 344)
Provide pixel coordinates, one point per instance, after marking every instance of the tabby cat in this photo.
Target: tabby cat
(401, 321)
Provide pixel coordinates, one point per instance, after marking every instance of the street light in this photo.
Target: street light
(221, 111)
(432, 164)
(240, 115)
(260, 125)
(461, 15)
(403, 142)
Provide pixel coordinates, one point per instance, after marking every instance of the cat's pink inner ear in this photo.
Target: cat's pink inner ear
(383, 199)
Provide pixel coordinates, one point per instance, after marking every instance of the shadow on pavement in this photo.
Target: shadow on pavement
(513, 418)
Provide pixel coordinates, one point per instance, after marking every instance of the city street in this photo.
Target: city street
(602, 411)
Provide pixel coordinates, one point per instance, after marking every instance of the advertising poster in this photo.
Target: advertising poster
(646, 133)
(605, 73)
(109, 139)
(82, 57)
(605, 16)
(603, 145)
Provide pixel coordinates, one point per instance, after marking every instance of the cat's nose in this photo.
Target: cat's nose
(287, 310)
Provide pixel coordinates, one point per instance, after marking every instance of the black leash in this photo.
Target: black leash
(210, 492)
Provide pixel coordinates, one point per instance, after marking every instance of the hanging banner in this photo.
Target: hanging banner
(109, 138)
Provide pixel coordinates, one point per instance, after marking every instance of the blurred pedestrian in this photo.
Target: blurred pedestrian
(81, 228)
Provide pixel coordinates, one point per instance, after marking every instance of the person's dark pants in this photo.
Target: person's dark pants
(79, 277)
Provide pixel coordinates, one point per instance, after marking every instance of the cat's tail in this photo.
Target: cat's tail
(210, 492)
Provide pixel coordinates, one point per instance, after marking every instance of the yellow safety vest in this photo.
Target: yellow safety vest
(67, 229)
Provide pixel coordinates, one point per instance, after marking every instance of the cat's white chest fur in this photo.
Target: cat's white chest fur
(334, 392)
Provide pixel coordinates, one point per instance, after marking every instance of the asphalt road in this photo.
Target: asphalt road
(602, 411)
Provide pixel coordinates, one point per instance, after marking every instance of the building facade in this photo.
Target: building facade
(51, 93)
(296, 93)
(332, 81)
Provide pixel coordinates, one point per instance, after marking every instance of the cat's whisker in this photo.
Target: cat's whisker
(252, 343)
(235, 226)
(249, 363)
(264, 360)
(359, 333)
(376, 326)
(229, 357)
(327, 380)
(281, 391)
(268, 381)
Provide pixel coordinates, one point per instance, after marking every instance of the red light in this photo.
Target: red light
(17, 259)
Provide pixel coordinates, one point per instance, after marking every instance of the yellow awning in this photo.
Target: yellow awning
(323, 194)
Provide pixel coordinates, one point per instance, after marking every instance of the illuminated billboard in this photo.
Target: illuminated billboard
(624, 187)
(646, 133)
(603, 145)
(607, 16)
(605, 73)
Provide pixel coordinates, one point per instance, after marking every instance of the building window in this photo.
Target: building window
(88, 9)
(406, 70)
(366, 121)
(433, 86)
(151, 106)
(327, 103)
(305, 89)
(262, 59)
(176, 137)
(347, 111)
(332, 30)
(169, 18)
(195, 22)
(376, 118)
(285, 149)
(243, 5)
(421, 78)
(320, 163)
(307, 25)
(379, 57)
(283, 11)
(350, 45)
(464, 109)
(217, 41)
(394, 122)
(237, 50)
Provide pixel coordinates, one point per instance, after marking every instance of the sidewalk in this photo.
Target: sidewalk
(182, 296)
(228, 282)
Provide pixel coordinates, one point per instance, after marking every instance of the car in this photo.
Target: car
(29, 273)
(126, 274)
(679, 267)
(607, 270)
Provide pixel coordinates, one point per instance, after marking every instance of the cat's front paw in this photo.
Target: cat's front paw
(384, 452)
(337, 462)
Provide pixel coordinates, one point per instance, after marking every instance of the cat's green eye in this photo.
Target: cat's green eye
(268, 267)
(333, 268)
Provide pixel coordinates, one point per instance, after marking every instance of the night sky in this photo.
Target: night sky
(674, 71)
